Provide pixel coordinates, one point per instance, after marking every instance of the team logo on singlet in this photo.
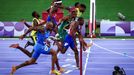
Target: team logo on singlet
(45, 48)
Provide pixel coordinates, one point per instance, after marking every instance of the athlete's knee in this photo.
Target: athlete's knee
(62, 50)
(76, 52)
(53, 52)
(30, 61)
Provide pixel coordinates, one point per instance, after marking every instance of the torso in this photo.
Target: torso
(41, 37)
(73, 28)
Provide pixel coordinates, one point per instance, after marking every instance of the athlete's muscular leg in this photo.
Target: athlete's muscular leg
(26, 63)
(22, 49)
(54, 59)
(76, 53)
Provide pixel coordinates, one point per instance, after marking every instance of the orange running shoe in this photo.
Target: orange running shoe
(13, 70)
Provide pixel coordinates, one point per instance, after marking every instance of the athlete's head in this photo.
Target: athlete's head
(54, 9)
(41, 29)
(49, 26)
(82, 8)
(73, 13)
(116, 68)
(81, 20)
(77, 4)
(35, 14)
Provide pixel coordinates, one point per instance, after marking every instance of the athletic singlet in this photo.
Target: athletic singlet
(78, 12)
(62, 31)
(33, 33)
(41, 37)
(73, 31)
(49, 19)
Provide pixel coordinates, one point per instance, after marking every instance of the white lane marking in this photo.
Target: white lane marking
(122, 54)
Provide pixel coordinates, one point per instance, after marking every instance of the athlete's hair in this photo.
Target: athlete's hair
(83, 6)
(58, 0)
(49, 24)
(116, 68)
(33, 13)
(76, 4)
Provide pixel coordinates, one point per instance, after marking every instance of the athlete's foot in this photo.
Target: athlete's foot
(78, 67)
(14, 45)
(55, 72)
(89, 45)
(61, 70)
(84, 49)
(27, 44)
(13, 70)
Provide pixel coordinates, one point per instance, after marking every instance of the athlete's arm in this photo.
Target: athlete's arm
(51, 12)
(36, 28)
(66, 27)
(65, 18)
(63, 7)
(81, 39)
(41, 24)
(29, 30)
(36, 23)
(26, 24)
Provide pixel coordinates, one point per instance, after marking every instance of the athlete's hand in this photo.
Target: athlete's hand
(21, 37)
(48, 42)
(23, 20)
(89, 45)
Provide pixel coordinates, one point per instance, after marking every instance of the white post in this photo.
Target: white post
(92, 16)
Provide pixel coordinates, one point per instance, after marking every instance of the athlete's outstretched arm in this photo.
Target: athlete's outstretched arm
(82, 41)
(65, 18)
(80, 37)
(63, 7)
(36, 23)
(29, 30)
(26, 24)
(35, 27)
